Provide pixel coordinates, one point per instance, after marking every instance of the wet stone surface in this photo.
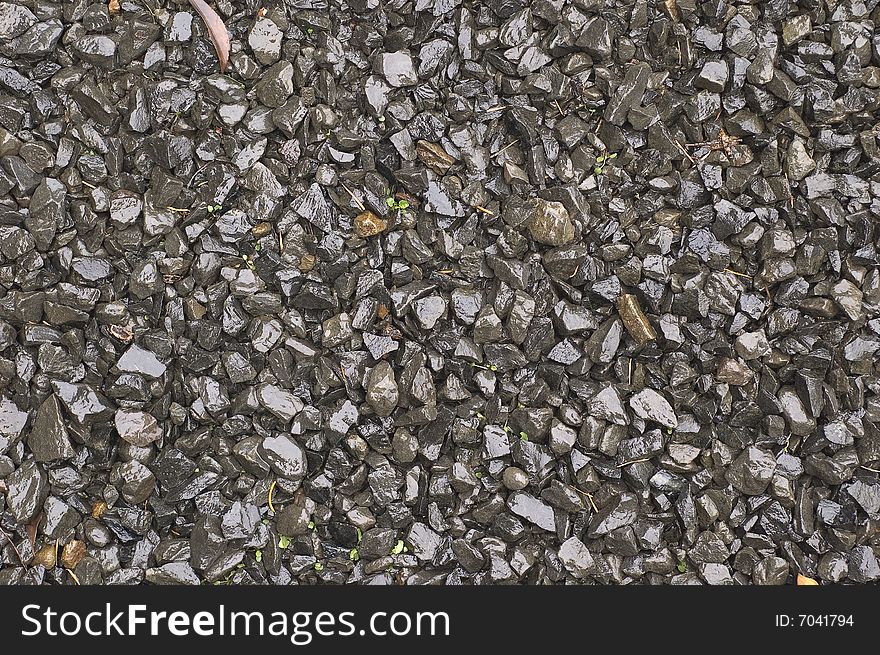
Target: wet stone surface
(561, 292)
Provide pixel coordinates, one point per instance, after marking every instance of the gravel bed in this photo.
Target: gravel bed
(439, 292)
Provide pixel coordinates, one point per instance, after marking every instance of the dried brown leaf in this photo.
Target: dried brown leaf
(216, 29)
(32, 529)
(113, 6)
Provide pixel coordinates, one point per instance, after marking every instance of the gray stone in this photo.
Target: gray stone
(280, 402)
(651, 405)
(136, 427)
(576, 558)
(533, 510)
(27, 489)
(285, 456)
(752, 471)
(397, 68)
(515, 478)
(752, 345)
(713, 76)
(140, 360)
(15, 20)
(265, 41)
(550, 223)
(382, 392)
(48, 438)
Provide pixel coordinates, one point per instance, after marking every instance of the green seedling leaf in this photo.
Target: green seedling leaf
(283, 542)
(258, 555)
(523, 436)
(390, 202)
(311, 525)
(398, 547)
(682, 567)
(403, 204)
(354, 556)
(360, 534)
(319, 567)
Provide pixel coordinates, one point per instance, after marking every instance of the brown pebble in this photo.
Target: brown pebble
(98, 510)
(46, 556)
(73, 554)
(367, 224)
(634, 319)
(434, 156)
(261, 229)
(307, 263)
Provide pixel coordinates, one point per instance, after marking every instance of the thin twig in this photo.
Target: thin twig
(593, 503)
(589, 497)
(271, 489)
(635, 461)
(509, 145)
(684, 151)
(357, 200)
(20, 558)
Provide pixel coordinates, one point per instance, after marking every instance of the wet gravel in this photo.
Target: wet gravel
(560, 291)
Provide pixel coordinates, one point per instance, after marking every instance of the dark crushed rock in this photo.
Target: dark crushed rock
(514, 292)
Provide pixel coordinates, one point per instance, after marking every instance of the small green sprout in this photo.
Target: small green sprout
(283, 542)
(311, 525)
(478, 475)
(523, 436)
(381, 119)
(682, 567)
(396, 204)
(214, 208)
(354, 556)
(258, 247)
(310, 30)
(319, 567)
(480, 416)
(360, 534)
(258, 555)
(398, 547)
(601, 160)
